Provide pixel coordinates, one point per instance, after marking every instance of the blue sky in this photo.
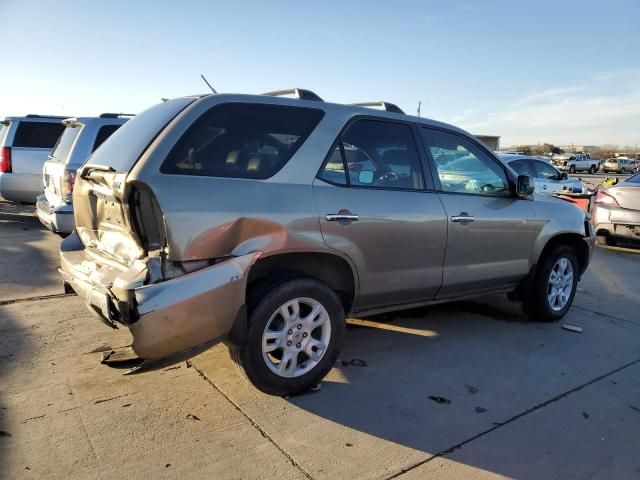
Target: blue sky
(535, 71)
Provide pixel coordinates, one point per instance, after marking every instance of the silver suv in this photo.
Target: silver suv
(80, 138)
(25, 143)
(264, 221)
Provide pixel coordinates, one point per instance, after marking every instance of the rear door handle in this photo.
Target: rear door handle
(341, 217)
(462, 218)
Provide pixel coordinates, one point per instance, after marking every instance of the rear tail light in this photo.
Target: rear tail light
(606, 199)
(5, 159)
(68, 180)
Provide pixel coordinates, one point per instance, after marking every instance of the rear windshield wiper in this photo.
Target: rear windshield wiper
(90, 167)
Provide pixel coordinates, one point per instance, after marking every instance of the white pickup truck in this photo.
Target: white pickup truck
(579, 162)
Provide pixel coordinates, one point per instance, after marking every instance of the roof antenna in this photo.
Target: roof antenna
(208, 84)
(419, 105)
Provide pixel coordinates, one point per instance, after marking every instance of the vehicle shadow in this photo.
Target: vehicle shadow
(433, 378)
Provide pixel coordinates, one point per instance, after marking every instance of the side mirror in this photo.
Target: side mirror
(564, 176)
(365, 177)
(524, 186)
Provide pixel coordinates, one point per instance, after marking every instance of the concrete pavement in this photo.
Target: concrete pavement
(470, 389)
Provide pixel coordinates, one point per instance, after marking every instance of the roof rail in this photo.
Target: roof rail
(33, 115)
(300, 94)
(389, 107)
(116, 115)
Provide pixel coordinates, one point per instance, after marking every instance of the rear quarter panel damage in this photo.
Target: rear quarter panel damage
(190, 310)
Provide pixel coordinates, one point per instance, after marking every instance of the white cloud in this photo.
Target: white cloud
(603, 109)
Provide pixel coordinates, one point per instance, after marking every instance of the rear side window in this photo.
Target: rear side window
(4, 128)
(105, 132)
(63, 146)
(37, 134)
(544, 170)
(242, 141)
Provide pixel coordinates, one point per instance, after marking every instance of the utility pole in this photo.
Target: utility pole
(419, 105)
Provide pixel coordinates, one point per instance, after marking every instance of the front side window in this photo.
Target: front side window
(523, 167)
(37, 134)
(462, 166)
(545, 171)
(376, 154)
(242, 141)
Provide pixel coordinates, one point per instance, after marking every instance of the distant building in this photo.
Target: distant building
(492, 141)
(580, 148)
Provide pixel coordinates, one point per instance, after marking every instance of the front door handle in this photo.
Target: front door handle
(341, 217)
(462, 218)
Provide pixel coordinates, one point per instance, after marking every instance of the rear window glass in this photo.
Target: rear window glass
(63, 146)
(37, 134)
(126, 145)
(105, 132)
(242, 141)
(4, 128)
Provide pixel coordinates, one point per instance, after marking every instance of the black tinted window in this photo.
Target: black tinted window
(523, 167)
(379, 155)
(242, 141)
(63, 146)
(104, 133)
(37, 134)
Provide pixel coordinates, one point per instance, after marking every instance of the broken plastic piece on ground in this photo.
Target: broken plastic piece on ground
(480, 409)
(471, 389)
(356, 362)
(437, 399)
(317, 388)
(572, 328)
(190, 416)
(120, 358)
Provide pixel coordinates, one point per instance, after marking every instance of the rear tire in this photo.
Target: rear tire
(604, 240)
(592, 169)
(554, 286)
(276, 361)
(623, 171)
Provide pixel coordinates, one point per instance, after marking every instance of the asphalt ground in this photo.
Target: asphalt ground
(465, 390)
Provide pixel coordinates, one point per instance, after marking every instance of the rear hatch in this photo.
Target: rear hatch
(627, 193)
(101, 195)
(56, 189)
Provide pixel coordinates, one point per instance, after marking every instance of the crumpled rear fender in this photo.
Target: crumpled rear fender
(190, 310)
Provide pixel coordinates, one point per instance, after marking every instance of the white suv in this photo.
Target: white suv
(79, 139)
(25, 143)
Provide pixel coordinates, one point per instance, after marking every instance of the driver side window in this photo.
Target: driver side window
(462, 166)
(376, 154)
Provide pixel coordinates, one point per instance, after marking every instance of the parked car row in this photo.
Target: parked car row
(39, 156)
(263, 221)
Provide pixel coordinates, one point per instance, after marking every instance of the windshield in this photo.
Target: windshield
(62, 148)
(126, 145)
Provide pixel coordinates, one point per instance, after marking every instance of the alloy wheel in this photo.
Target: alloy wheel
(560, 284)
(296, 337)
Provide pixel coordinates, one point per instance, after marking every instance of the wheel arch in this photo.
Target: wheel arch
(574, 240)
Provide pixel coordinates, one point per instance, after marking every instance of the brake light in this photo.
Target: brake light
(68, 180)
(606, 199)
(5, 160)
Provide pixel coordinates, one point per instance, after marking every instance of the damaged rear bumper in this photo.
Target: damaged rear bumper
(166, 317)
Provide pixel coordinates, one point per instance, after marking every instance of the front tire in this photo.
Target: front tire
(554, 286)
(572, 169)
(295, 335)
